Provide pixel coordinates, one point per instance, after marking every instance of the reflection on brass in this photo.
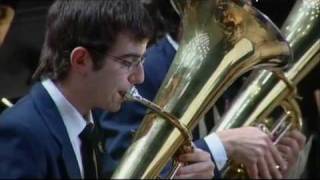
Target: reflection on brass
(6, 17)
(221, 41)
(266, 91)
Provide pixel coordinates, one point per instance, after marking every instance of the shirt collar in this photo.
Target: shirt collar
(173, 43)
(72, 119)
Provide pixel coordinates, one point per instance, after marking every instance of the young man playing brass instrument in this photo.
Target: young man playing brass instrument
(91, 56)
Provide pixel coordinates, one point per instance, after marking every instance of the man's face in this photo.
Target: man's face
(118, 74)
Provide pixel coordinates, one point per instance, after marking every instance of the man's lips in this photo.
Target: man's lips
(123, 94)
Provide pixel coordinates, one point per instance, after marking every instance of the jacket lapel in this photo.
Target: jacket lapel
(53, 119)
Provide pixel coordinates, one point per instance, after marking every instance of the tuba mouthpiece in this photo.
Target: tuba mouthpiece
(133, 94)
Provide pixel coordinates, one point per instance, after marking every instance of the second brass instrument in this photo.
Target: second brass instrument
(266, 91)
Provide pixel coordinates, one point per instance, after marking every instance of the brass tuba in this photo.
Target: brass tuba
(221, 40)
(268, 91)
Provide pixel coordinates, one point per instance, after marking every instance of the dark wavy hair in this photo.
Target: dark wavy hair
(93, 24)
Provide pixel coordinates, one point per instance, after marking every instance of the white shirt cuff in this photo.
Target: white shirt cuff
(217, 150)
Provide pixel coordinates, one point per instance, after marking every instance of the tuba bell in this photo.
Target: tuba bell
(221, 40)
(267, 91)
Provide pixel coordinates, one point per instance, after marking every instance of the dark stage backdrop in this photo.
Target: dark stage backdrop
(20, 52)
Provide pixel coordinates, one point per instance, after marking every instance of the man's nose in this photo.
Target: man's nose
(137, 76)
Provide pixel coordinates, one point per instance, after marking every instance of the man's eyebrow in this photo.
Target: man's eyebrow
(131, 55)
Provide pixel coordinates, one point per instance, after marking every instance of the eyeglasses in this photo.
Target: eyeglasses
(130, 63)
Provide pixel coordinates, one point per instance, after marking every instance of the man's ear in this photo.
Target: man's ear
(80, 60)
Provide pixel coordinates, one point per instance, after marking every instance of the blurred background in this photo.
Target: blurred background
(20, 50)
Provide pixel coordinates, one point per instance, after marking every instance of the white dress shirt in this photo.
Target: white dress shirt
(213, 141)
(72, 119)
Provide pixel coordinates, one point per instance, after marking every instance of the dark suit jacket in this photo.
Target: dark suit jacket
(122, 125)
(34, 141)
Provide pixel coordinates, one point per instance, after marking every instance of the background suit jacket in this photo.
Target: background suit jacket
(33, 140)
(120, 126)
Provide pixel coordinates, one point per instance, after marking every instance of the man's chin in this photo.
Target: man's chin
(114, 109)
